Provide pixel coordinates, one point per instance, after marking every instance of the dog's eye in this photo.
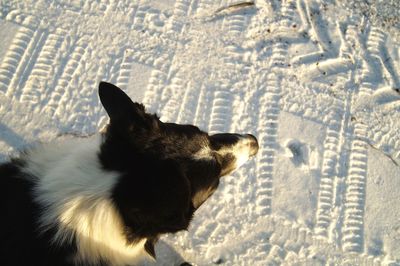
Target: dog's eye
(219, 161)
(218, 158)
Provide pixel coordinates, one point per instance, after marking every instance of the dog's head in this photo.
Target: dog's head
(167, 170)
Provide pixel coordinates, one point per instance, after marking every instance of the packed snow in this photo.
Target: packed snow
(317, 81)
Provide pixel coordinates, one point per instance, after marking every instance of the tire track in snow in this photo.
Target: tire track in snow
(379, 53)
(44, 72)
(181, 12)
(84, 112)
(286, 240)
(122, 70)
(203, 111)
(287, 244)
(177, 82)
(268, 133)
(12, 59)
(157, 94)
(221, 113)
(224, 100)
(24, 18)
(196, 100)
(223, 97)
(353, 222)
(173, 94)
(330, 193)
(269, 110)
(26, 64)
(60, 94)
(326, 62)
(198, 91)
(75, 100)
(237, 23)
(190, 104)
(326, 195)
(152, 97)
(140, 17)
(17, 59)
(211, 107)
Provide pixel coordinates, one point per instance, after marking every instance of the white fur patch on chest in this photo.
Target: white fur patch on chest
(76, 193)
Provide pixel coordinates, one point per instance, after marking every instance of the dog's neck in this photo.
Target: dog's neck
(76, 193)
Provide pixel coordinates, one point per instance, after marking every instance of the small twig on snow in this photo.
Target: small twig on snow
(234, 6)
(387, 155)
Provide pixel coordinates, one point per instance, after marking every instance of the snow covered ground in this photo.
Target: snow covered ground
(317, 81)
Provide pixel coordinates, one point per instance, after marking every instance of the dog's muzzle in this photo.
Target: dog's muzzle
(252, 143)
(241, 147)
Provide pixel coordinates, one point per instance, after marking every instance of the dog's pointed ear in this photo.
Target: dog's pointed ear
(117, 104)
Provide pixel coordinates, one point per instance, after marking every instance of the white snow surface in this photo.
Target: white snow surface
(316, 81)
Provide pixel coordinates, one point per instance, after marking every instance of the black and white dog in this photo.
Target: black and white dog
(105, 200)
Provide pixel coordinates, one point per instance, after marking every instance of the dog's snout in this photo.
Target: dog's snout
(235, 149)
(253, 144)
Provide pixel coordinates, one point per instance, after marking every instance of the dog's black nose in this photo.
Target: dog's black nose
(253, 144)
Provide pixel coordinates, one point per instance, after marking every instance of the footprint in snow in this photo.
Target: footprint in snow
(298, 152)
